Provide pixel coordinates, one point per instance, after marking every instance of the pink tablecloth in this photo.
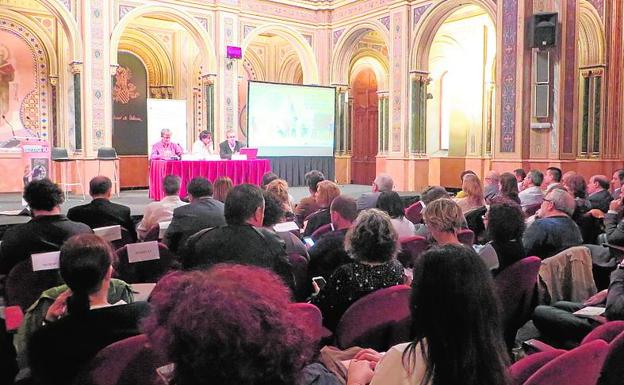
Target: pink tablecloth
(240, 171)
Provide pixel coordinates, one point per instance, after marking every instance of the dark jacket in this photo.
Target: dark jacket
(226, 152)
(305, 207)
(188, 219)
(316, 220)
(614, 228)
(615, 296)
(243, 244)
(600, 200)
(41, 234)
(327, 254)
(101, 213)
(547, 236)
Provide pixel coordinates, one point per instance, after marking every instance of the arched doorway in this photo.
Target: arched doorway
(365, 126)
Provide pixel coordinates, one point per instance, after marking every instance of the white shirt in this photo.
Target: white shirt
(403, 227)
(531, 196)
(391, 371)
(200, 149)
(157, 212)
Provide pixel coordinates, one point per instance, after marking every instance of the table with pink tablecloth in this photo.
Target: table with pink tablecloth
(240, 171)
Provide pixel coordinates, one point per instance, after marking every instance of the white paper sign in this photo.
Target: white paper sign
(239, 156)
(110, 233)
(285, 227)
(143, 251)
(163, 226)
(45, 261)
(142, 291)
(590, 311)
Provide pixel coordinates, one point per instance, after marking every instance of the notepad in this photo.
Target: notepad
(109, 233)
(285, 227)
(143, 251)
(142, 291)
(45, 261)
(590, 311)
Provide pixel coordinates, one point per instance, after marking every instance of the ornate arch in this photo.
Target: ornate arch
(432, 20)
(346, 47)
(288, 68)
(70, 27)
(197, 32)
(301, 46)
(253, 63)
(591, 42)
(373, 60)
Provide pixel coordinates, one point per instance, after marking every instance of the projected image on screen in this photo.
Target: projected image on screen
(291, 120)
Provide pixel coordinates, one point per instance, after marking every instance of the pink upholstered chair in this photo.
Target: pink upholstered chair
(300, 271)
(312, 318)
(515, 286)
(146, 271)
(411, 248)
(414, 213)
(23, 285)
(466, 236)
(125, 239)
(612, 372)
(320, 231)
(520, 371)
(606, 332)
(580, 366)
(378, 320)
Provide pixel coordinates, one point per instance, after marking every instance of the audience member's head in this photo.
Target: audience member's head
(199, 187)
(534, 178)
(553, 175)
(453, 303)
(242, 331)
(280, 188)
(575, 185)
(267, 178)
(618, 179)
(443, 218)
(504, 222)
(222, 187)
(557, 202)
(492, 178)
(597, 183)
(432, 193)
(343, 211)
(390, 202)
(43, 197)
(509, 186)
(85, 266)
(326, 192)
(100, 187)
(464, 173)
(171, 185)
(520, 174)
(244, 205)
(566, 176)
(312, 178)
(473, 188)
(383, 182)
(372, 237)
(273, 209)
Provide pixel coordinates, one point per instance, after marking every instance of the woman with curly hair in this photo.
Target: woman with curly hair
(326, 191)
(372, 244)
(230, 325)
(279, 187)
(444, 218)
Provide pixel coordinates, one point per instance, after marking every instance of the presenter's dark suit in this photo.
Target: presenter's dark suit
(226, 152)
(101, 213)
(200, 214)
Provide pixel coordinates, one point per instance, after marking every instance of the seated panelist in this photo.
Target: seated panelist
(230, 145)
(165, 149)
(203, 146)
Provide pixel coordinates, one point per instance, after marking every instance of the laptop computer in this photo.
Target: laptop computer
(252, 153)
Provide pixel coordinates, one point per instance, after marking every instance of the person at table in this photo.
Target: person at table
(203, 146)
(230, 145)
(165, 149)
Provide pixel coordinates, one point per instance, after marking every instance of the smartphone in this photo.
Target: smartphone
(320, 282)
(308, 241)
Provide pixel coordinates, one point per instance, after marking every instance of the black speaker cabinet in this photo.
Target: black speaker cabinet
(543, 30)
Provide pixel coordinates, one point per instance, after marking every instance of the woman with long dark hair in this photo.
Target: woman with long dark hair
(456, 326)
(508, 189)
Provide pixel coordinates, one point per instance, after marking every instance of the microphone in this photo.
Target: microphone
(10, 125)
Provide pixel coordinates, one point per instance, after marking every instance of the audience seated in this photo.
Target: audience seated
(101, 212)
(554, 230)
(575, 185)
(203, 212)
(616, 183)
(552, 178)
(372, 243)
(613, 223)
(242, 240)
(383, 182)
(491, 185)
(46, 231)
(162, 211)
(519, 174)
(325, 194)
(461, 193)
(559, 327)
(473, 194)
(444, 218)
(241, 333)
(279, 187)
(274, 214)
(308, 205)
(81, 321)
(390, 202)
(329, 253)
(222, 187)
(598, 193)
(456, 324)
(508, 189)
(267, 178)
(504, 223)
(532, 193)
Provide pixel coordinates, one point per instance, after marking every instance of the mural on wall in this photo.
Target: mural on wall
(130, 106)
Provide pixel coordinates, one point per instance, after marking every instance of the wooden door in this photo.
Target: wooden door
(364, 128)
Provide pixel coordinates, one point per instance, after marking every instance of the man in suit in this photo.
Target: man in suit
(203, 212)
(383, 182)
(101, 212)
(46, 231)
(598, 191)
(616, 183)
(230, 145)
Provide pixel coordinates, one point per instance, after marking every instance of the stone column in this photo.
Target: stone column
(76, 70)
(418, 119)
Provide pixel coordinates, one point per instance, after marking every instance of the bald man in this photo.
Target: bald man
(598, 191)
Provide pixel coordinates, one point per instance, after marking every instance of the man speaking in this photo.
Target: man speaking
(165, 149)
(230, 145)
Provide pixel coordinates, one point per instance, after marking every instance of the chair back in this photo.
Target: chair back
(152, 234)
(145, 271)
(129, 361)
(23, 285)
(300, 270)
(414, 213)
(521, 370)
(378, 320)
(311, 317)
(612, 370)
(411, 248)
(466, 236)
(474, 219)
(106, 153)
(606, 332)
(515, 286)
(126, 238)
(320, 231)
(59, 153)
(531, 209)
(580, 366)
(567, 276)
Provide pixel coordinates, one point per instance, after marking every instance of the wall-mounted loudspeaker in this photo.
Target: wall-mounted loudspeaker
(543, 30)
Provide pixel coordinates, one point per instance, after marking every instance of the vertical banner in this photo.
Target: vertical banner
(130, 106)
